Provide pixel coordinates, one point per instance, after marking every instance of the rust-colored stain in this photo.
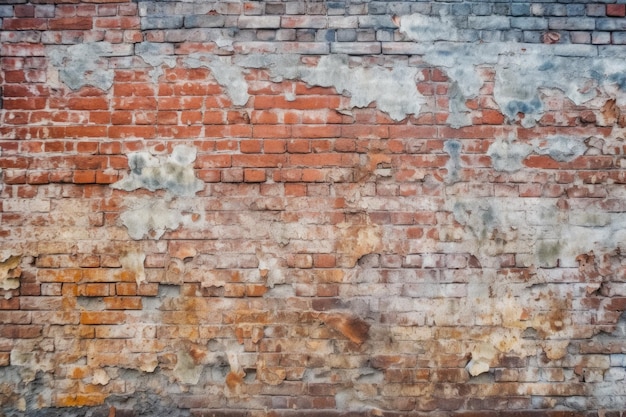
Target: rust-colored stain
(353, 328)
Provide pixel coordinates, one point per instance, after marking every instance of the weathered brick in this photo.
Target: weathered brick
(489, 23)
(529, 23)
(162, 22)
(356, 48)
(259, 22)
(616, 10)
(204, 21)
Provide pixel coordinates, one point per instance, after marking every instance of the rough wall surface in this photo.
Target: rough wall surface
(312, 208)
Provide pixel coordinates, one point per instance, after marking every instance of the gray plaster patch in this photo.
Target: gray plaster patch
(227, 75)
(393, 89)
(459, 113)
(156, 55)
(453, 148)
(534, 228)
(425, 28)
(83, 64)
(176, 174)
(522, 70)
(560, 148)
(507, 155)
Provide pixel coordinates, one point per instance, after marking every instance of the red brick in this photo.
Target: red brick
(24, 10)
(122, 132)
(274, 146)
(254, 175)
(541, 161)
(25, 24)
(299, 146)
(125, 22)
(86, 131)
(31, 103)
(87, 103)
(125, 288)
(616, 10)
(71, 23)
(295, 190)
(94, 290)
(20, 331)
(324, 260)
(251, 146)
(21, 90)
(135, 103)
(122, 303)
(271, 131)
(214, 161)
(84, 177)
(102, 317)
(258, 161)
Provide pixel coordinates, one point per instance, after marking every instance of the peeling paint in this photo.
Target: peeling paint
(100, 377)
(271, 269)
(10, 272)
(482, 357)
(356, 240)
(133, 262)
(152, 54)
(424, 28)
(271, 375)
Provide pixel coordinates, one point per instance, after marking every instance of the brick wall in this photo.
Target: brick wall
(312, 208)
